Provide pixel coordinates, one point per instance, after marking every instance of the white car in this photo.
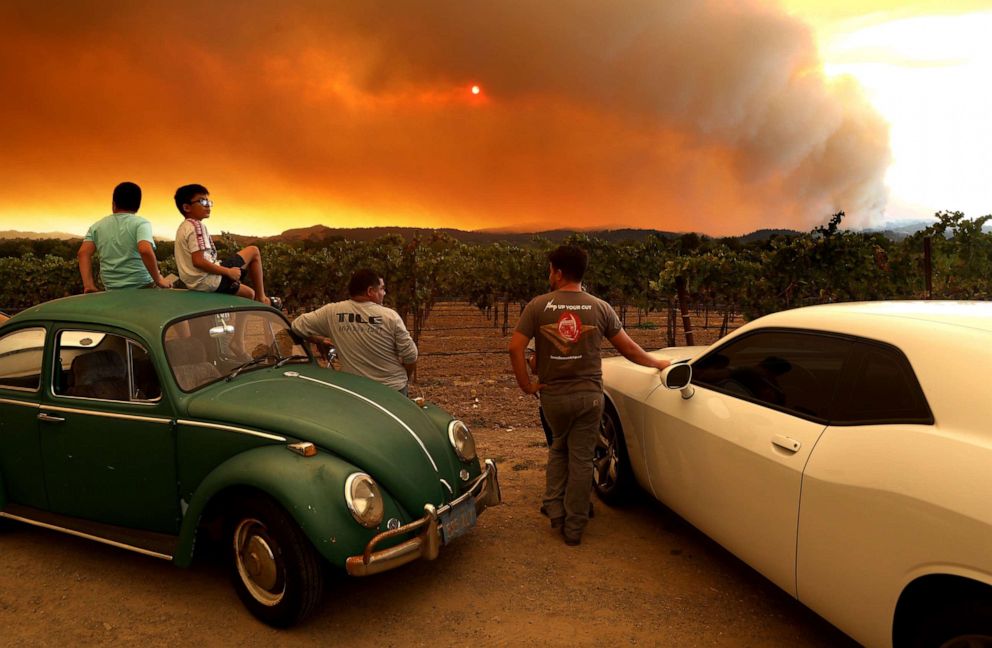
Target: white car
(844, 451)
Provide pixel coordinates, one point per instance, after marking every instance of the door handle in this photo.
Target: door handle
(786, 443)
(51, 419)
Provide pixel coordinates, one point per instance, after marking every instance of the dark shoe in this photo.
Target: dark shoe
(573, 542)
(544, 511)
(558, 522)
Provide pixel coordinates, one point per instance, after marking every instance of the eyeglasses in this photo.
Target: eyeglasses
(206, 202)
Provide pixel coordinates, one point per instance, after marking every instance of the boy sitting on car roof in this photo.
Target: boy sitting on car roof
(196, 256)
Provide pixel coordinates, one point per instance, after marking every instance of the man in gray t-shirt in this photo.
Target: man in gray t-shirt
(568, 326)
(371, 340)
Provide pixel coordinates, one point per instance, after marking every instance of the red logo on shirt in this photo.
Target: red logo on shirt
(569, 327)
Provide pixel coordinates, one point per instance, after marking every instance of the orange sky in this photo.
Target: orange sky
(698, 116)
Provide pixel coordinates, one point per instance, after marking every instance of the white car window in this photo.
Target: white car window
(794, 371)
(882, 388)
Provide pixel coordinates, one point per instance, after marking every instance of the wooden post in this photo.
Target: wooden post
(670, 325)
(684, 308)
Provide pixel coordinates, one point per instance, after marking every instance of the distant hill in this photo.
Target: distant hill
(318, 233)
(35, 236)
(896, 230)
(765, 234)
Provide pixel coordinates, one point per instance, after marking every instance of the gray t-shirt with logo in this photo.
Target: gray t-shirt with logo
(371, 340)
(568, 328)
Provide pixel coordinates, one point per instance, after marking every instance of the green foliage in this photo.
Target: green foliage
(828, 264)
(29, 280)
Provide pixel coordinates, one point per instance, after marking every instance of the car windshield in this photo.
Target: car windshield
(208, 348)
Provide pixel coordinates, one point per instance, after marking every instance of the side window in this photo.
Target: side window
(104, 366)
(21, 353)
(883, 389)
(794, 371)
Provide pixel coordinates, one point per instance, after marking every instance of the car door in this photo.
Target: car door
(107, 435)
(730, 458)
(872, 509)
(21, 475)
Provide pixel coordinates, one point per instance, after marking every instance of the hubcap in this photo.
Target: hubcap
(258, 565)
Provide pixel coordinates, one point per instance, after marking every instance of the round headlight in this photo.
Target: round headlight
(364, 499)
(461, 440)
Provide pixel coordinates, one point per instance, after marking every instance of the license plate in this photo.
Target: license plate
(457, 520)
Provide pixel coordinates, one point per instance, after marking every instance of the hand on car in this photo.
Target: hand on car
(162, 283)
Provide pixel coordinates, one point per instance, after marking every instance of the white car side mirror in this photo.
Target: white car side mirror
(678, 376)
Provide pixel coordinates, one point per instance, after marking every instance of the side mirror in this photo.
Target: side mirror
(678, 376)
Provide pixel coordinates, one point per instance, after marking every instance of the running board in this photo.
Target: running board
(149, 543)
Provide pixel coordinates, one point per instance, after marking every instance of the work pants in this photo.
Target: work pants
(574, 420)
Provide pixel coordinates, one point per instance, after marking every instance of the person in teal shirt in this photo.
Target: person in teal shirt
(123, 241)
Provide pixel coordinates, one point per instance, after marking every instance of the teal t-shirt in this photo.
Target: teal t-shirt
(116, 239)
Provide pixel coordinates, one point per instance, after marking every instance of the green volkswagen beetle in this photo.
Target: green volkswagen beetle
(146, 419)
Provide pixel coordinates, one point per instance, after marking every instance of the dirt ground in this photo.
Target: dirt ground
(641, 577)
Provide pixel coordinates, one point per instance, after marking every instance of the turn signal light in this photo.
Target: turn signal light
(303, 448)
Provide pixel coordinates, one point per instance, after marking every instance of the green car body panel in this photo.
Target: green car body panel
(157, 466)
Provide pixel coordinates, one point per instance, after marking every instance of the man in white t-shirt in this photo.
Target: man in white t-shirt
(196, 256)
(371, 340)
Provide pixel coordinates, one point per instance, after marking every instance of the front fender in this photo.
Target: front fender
(310, 489)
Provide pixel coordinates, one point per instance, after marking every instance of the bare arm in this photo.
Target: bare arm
(201, 263)
(633, 351)
(147, 253)
(85, 257)
(518, 343)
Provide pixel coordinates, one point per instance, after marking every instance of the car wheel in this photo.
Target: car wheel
(963, 624)
(276, 571)
(612, 475)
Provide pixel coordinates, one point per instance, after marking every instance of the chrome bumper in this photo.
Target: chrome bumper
(425, 545)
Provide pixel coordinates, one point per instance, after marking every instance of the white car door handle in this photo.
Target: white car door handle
(787, 443)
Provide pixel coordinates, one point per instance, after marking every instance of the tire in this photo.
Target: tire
(958, 624)
(613, 478)
(276, 571)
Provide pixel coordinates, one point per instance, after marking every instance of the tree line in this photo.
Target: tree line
(681, 276)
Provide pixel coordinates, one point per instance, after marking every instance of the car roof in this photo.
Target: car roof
(142, 310)
(969, 314)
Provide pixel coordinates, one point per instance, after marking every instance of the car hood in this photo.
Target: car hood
(371, 426)
(674, 354)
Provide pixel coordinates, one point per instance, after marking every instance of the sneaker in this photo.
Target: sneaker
(573, 542)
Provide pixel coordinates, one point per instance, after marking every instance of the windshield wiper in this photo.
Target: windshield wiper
(292, 357)
(251, 363)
